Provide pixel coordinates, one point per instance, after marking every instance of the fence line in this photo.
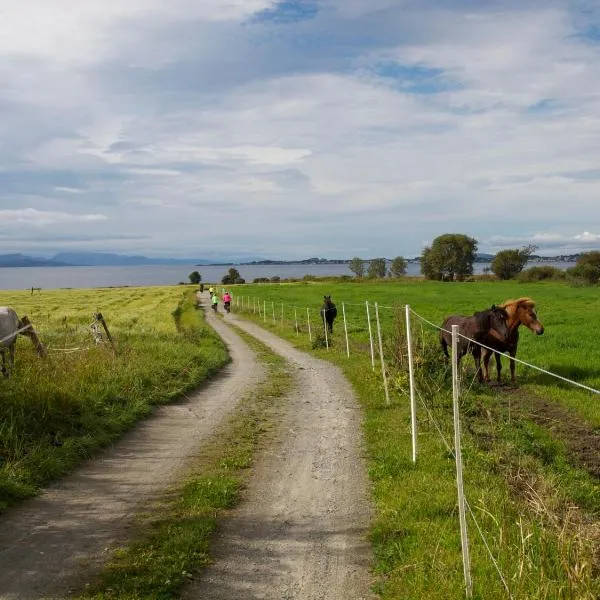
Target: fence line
(464, 506)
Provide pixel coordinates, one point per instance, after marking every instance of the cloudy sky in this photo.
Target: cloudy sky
(288, 129)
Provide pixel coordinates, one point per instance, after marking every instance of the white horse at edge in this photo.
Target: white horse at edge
(10, 327)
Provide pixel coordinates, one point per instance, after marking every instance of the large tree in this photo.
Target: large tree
(377, 268)
(450, 257)
(507, 264)
(357, 266)
(398, 266)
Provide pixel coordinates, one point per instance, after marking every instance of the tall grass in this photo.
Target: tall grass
(57, 411)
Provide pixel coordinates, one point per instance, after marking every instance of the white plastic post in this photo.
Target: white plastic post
(346, 330)
(383, 373)
(370, 337)
(308, 323)
(459, 475)
(273, 310)
(282, 314)
(325, 330)
(253, 305)
(296, 319)
(265, 311)
(411, 378)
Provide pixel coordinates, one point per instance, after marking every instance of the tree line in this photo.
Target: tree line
(451, 256)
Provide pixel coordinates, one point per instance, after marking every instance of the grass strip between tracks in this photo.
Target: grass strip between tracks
(174, 535)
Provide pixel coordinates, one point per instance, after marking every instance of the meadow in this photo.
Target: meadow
(55, 412)
(532, 490)
(530, 483)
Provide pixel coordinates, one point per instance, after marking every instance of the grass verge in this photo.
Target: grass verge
(174, 536)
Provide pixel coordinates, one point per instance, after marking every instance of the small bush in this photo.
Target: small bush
(275, 279)
(261, 280)
(540, 274)
(585, 274)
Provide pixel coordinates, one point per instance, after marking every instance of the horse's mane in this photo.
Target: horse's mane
(525, 300)
(510, 306)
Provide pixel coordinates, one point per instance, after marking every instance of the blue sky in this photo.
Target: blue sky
(337, 128)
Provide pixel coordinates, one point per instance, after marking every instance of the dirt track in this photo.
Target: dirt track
(300, 532)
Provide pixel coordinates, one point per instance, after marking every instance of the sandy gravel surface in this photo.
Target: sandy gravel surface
(52, 543)
(301, 531)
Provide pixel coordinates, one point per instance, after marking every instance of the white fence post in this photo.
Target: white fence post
(273, 310)
(346, 330)
(282, 314)
(264, 311)
(308, 323)
(296, 319)
(370, 336)
(253, 305)
(459, 475)
(322, 315)
(411, 378)
(383, 373)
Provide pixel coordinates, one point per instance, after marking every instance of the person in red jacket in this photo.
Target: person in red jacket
(227, 300)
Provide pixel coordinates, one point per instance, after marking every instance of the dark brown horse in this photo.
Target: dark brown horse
(520, 312)
(328, 313)
(476, 328)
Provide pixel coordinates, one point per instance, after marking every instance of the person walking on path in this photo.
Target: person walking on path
(227, 300)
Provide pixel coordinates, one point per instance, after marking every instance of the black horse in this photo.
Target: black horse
(477, 328)
(328, 313)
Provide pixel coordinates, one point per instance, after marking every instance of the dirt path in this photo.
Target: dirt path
(48, 544)
(301, 531)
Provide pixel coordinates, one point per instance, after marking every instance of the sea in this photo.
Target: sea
(23, 278)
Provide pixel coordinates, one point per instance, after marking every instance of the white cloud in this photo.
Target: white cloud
(33, 217)
(293, 136)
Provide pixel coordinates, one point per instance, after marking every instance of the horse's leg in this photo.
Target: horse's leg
(486, 364)
(477, 358)
(513, 367)
(498, 365)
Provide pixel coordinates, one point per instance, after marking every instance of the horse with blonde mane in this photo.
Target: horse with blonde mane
(520, 312)
(10, 327)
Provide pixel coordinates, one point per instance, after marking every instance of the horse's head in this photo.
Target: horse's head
(528, 316)
(327, 303)
(499, 321)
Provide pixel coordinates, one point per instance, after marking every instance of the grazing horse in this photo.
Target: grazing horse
(328, 313)
(10, 327)
(520, 312)
(476, 328)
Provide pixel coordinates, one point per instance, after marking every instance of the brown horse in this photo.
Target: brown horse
(476, 329)
(520, 312)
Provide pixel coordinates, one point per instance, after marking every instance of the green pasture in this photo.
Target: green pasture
(535, 504)
(54, 412)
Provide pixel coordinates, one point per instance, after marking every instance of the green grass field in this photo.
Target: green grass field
(57, 411)
(528, 481)
(535, 502)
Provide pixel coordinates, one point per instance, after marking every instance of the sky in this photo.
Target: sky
(291, 129)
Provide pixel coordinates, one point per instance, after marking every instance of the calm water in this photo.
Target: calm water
(20, 278)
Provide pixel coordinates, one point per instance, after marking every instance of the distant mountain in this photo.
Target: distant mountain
(20, 260)
(103, 259)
